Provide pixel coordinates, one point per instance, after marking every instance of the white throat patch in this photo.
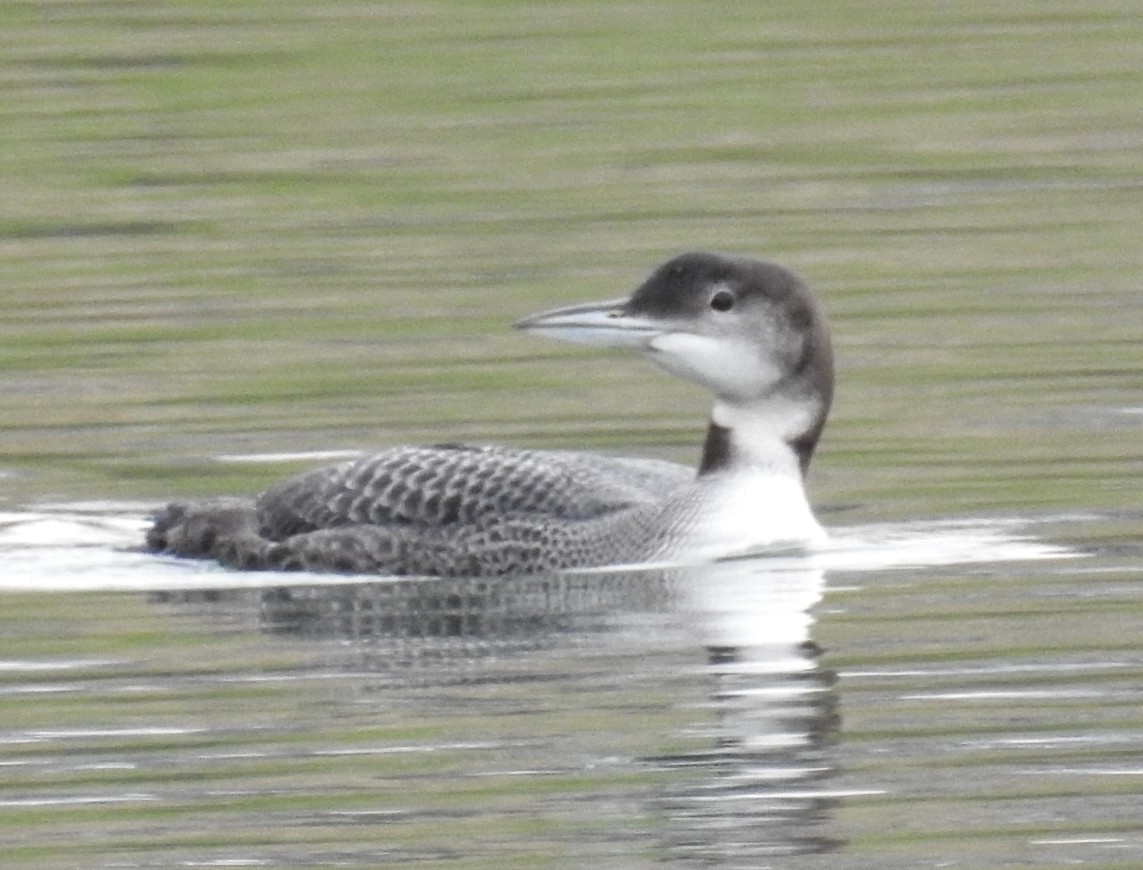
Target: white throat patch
(724, 366)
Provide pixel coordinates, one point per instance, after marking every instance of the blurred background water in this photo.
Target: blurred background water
(232, 231)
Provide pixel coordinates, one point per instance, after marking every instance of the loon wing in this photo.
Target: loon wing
(450, 485)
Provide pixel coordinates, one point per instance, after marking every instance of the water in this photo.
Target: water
(915, 694)
(236, 237)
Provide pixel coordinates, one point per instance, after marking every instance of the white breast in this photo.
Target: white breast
(739, 512)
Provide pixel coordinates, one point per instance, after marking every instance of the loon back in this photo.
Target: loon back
(749, 332)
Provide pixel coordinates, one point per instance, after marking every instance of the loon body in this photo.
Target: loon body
(750, 332)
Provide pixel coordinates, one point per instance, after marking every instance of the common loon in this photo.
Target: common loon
(750, 332)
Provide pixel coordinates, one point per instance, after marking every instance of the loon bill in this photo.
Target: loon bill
(750, 332)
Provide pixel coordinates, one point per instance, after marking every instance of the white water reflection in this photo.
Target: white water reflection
(761, 788)
(95, 547)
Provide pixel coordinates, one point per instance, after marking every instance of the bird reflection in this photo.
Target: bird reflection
(760, 712)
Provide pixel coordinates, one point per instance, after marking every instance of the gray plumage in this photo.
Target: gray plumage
(749, 331)
(452, 510)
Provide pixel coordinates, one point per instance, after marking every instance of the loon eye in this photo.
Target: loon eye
(722, 300)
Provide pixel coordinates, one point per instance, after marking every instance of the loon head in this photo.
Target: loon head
(750, 332)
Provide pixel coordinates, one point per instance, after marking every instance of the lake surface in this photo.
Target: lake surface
(917, 694)
(238, 236)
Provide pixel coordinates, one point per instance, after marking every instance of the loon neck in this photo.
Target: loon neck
(776, 436)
